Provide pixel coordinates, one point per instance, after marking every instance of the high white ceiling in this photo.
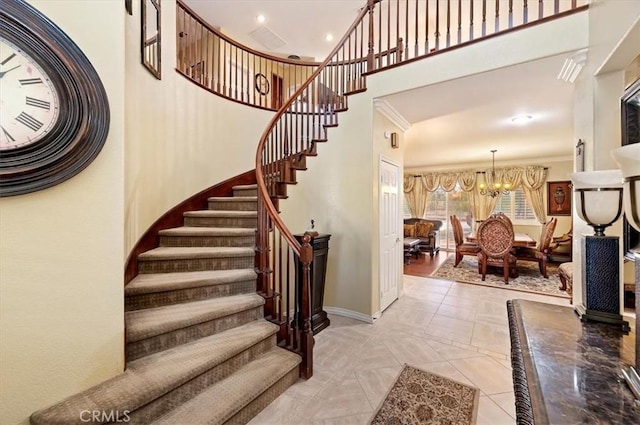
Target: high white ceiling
(461, 120)
(454, 122)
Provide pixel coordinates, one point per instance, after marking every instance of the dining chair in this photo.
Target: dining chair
(462, 248)
(495, 240)
(540, 253)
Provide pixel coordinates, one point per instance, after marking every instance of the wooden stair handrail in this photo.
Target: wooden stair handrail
(262, 188)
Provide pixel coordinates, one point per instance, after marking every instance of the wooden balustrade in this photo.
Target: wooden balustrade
(384, 34)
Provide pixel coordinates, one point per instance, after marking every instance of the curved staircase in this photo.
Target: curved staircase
(199, 350)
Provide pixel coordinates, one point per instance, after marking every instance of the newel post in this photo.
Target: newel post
(306, 339)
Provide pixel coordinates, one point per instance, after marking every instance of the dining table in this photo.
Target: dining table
(519, 239)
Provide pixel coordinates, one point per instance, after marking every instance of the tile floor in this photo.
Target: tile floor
(454, 329)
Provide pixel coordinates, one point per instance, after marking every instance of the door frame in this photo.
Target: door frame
(399, 261)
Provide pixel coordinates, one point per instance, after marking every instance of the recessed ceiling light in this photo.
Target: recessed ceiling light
(261, 18)
(521, 119)
(329, 37)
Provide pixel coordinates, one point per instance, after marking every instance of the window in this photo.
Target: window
(515, 206)
(441, 205)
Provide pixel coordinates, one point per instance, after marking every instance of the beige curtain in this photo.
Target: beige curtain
(533, 179)
(408, 186)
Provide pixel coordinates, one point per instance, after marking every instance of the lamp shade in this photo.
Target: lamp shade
(628, 159)
(599, 200)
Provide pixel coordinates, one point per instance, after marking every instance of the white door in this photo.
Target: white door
(390, 240)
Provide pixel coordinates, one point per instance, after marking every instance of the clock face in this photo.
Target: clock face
(29, 103)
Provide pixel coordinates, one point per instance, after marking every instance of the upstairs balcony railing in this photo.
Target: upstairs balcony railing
(400, 31)
(308, 96)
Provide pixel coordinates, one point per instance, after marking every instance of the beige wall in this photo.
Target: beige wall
(597, 102)
(340, 188)
(180, 138)
(61, 249)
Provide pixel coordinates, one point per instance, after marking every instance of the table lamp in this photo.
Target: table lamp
(628, 159)
(599, 203)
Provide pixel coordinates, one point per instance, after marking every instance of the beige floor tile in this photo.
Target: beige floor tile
(447, 370)
(456, 330)
(374, 355)
(486, 373)
(492, 338)
(449, 327)
(412, 350)
(451, 352)
(506, 401)
(461, 313)
(283, 410)
(377, 382)
(339, 398)
(362, 419)
(489, 413)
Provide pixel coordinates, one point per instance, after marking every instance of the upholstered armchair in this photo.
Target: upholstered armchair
(561, 248)
(540, 253)
(462, 248)
(427, 231)
(495, 239)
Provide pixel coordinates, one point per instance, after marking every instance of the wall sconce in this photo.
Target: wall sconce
(394, 139)
(599, 203)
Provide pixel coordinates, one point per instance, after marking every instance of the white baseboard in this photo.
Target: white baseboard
(349, 313)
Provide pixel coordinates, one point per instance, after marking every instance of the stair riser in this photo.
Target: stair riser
(208, 241)
(196, 264)
(138, 302)
(246, 223)
(190, 389)
(264, 399)
(154, 344)
(233, 206)
(245, 192)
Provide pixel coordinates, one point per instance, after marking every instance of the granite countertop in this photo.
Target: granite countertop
(572, 368)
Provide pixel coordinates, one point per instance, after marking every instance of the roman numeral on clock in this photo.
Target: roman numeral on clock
(38, 103)
(28, 121)
(29, 81)
(7, 135)
(11, 56)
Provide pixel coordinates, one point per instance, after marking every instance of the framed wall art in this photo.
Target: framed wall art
(559, 198)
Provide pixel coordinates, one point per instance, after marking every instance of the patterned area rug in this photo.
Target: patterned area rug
(420, 397)
(529, 279)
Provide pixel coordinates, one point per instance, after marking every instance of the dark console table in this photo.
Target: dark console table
(566, 371)
(320, 244)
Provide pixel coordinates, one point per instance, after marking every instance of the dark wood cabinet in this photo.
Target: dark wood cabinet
(320, 244)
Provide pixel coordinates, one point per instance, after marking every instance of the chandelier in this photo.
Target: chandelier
(490, 186)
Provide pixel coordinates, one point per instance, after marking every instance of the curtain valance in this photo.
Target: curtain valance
(531, 178)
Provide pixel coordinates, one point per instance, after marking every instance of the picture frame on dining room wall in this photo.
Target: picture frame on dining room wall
(559, 197)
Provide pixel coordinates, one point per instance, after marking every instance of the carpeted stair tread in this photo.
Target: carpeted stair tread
(181, 253)
(207, 231)
(149, 378)
(245, 187)
(221, 401)
(234, 198)
(150, 322)
(221, 213)
(163, 282)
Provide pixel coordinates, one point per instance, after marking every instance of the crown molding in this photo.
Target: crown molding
(391, 114)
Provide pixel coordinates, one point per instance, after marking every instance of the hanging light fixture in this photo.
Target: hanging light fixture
(490, 186)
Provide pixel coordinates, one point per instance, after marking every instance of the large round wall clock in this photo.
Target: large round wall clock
(54, 112)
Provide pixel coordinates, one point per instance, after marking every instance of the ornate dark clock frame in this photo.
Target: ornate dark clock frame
(81, 130)
(262, 84)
